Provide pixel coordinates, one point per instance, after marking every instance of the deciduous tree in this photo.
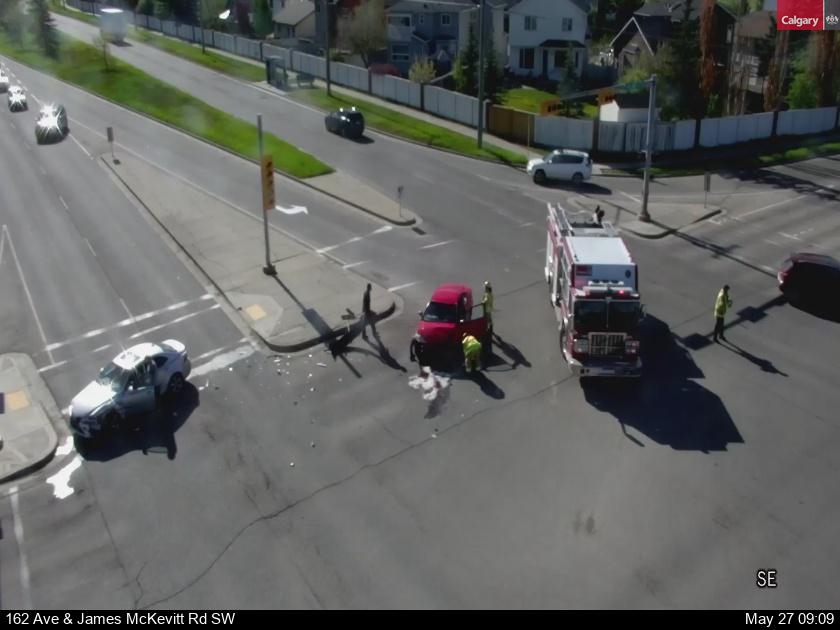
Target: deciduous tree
(363, 31)
(422, 70)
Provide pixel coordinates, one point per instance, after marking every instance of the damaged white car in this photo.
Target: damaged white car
(133, 383)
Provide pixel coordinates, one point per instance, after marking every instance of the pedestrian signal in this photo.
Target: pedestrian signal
(267, 166)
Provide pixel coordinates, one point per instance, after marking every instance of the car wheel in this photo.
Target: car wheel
(539, 177)
(176, 384)
(563, 341)
(577, 179)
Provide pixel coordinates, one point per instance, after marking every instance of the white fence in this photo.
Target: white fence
(618, 137)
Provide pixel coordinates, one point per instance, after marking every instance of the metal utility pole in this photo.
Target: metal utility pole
(201, 22)
(480, 70)
(327, 20)
(267, 181)
(644, 216)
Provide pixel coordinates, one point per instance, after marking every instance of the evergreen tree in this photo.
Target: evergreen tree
(262, 18)
(466, 67)
(43, 27)
(492, 76)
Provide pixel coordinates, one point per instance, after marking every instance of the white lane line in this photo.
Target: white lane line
(767, 240)
(222, 361)
(526, 224)
(7, 235)
(740, 217)
(52, 366)
(80, 145)
(177, 320)
(23, 565)
(355, 239)
(629, 196)
(402, 286)
(125, 307)
(12, 125)
(441, 243)
(90, 247)
(791, 236)
(383, 229)
(126, 322)
(355, 264)
(210, 353)
(766, 268)
(63, 203)
(100, 348)
(60, 481)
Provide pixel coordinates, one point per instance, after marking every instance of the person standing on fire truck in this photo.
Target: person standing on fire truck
(487, 300)
(722, 303)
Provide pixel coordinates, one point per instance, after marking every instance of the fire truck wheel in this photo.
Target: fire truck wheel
(539, 177)
(577, 179)
(563, 341)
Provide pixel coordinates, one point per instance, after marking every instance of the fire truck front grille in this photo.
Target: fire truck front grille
(606, 344)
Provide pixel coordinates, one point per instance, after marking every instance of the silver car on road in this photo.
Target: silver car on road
(133, 383)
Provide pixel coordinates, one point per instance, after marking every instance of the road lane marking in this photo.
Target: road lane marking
(90, 247)
(80, 145)
(125, 322)
(440, 244)
(740, 217)
(60, 481)
(63, 203)
(23, 564)
(177, 320)
(7, 235)
(767, 240)
(526, 224)
(52, 366)
(629, 196)
(383, 229)
(222, 361)
(402, 286)
(791, 236)
(355, 264)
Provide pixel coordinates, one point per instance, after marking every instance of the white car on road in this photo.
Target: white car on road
(4, 81)
(133, 383)
(17, 99)
(565, 164)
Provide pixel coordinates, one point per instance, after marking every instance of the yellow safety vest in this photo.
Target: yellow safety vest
(471, 345)
(722, 303)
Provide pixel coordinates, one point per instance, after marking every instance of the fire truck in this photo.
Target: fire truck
(594, 289)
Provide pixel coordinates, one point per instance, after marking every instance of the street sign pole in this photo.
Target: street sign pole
(110, 131)
(644, 216)
(707, 184)
(267, 180)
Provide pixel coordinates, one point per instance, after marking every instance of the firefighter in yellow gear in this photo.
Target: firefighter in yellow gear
(472, 353)
(488, 306)
(722, 303)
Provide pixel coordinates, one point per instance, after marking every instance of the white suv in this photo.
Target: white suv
(566, 164)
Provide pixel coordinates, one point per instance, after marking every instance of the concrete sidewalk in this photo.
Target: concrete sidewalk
(666, 218)
(310, 300)
(28, 412)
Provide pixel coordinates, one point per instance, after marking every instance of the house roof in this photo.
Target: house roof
(756, 25)
(583, 5)
(560, 43)
(632, 101)
(295, 12)
(676, 8)
(430, 6)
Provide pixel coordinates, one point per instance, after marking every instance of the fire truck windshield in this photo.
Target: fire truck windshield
(603, 315)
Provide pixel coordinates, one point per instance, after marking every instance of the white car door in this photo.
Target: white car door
(554, 167)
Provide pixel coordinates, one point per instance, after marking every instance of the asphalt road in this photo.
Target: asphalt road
(522, 489)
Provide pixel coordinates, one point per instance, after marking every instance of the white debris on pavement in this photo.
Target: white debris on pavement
(60, 481)
(429, 382)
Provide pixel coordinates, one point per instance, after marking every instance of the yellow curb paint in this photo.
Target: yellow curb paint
(255, 312)
(16, 400)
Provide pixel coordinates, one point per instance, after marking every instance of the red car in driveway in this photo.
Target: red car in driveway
(448, 315)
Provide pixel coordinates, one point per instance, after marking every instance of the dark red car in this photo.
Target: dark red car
(448, 315)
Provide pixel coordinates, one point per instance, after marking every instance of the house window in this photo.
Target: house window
(566, 24)
(421, 19)
(399, 52)
(526, 58)
(560, 58)
(530, 23)
(399, 20)
(445, 19)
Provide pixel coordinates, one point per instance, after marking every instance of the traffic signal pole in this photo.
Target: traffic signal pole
(267, 181)
(644, 216)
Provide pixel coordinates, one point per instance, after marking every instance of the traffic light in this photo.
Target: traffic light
(267, 168)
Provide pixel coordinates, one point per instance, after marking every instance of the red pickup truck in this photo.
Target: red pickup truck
(448, 315)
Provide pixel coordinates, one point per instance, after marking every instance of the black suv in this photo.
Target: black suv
(810, 278)
(347, 122)
(51, 124)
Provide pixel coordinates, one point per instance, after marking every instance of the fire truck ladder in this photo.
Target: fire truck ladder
(580, 223)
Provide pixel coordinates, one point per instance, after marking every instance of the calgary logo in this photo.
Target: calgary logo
(832, 20)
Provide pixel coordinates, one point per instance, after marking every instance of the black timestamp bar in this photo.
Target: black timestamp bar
(799, 618)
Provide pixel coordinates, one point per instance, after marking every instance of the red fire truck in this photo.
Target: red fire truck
(594, 289)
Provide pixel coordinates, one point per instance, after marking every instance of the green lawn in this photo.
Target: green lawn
(82, 65)
(210, 59)
(528, 100)
(390, 121)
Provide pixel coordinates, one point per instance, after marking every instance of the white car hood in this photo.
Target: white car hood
(535, 162)
(91, 398)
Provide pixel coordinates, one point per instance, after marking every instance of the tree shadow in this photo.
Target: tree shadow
(786, 181)
(665, 404)
(149, 433)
